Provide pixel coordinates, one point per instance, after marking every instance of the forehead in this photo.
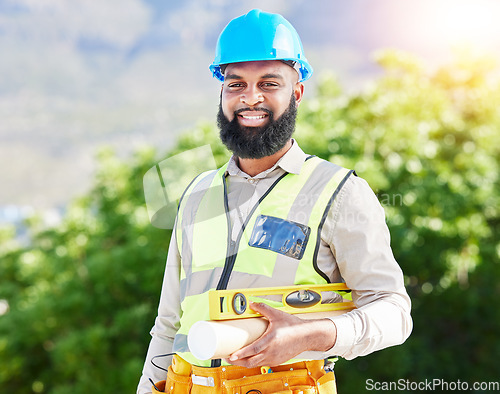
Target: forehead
(260, 69)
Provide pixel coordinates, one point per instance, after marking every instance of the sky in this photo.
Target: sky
(80, 74)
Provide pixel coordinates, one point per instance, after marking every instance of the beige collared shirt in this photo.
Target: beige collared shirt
(355, 248)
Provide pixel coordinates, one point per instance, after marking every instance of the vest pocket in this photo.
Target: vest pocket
(279, 235)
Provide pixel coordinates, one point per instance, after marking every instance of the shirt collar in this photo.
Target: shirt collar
(291, 162)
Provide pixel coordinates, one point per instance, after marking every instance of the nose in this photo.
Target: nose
(251, 96)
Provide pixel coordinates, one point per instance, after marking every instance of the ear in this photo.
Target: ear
(298, 92)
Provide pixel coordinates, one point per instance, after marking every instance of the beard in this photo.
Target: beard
(257, 142)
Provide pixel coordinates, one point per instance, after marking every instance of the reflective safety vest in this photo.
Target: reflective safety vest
(277, 245)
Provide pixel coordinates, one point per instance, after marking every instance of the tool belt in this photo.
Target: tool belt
(306, 377)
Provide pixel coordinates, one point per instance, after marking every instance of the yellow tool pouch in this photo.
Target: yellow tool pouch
(306, 377)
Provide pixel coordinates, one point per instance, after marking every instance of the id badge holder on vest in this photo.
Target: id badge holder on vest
(280, 235)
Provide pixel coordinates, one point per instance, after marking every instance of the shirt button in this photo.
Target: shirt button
(251, 180)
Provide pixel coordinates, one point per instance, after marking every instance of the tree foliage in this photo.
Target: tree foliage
(429, 145)
(82, 297)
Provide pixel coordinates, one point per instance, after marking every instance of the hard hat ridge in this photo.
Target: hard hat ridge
(258, 36)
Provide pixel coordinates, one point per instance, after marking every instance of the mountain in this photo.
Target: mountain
(76, 75)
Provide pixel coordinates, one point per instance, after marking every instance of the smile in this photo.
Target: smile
(253, 117)
(253, 120)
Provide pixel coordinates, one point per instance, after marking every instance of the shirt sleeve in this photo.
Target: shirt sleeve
(166, 323)
(359, 239)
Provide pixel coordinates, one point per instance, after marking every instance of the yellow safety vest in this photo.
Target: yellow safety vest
(212, 260)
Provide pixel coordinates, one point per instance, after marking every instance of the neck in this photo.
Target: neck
(255, 166)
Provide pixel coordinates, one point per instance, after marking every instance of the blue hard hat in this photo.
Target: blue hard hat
(260, 35)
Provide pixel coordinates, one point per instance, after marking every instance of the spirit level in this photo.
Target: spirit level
(233, 304)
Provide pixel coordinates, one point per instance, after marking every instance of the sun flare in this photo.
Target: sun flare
(467, 22)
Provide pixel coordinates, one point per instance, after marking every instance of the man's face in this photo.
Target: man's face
(258, 107)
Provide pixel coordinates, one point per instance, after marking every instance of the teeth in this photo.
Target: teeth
(253, 117)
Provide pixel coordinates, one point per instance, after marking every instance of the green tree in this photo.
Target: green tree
(428, 144)
(82, 296)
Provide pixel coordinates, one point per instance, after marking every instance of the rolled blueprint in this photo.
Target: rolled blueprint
(219, 339)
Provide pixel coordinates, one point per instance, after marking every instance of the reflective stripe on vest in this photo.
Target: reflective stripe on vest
(212, 260)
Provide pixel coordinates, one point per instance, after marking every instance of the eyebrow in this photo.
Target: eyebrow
(232, 76)
(265, 76)
(276, 76)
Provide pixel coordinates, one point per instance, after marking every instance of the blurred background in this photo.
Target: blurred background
(93, 94)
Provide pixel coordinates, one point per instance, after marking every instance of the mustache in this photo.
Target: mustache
(267, 111)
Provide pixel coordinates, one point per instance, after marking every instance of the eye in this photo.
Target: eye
(269, 85)
(235, 85)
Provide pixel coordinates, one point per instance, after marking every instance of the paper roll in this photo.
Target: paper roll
(219, 339)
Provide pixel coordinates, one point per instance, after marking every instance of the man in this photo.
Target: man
(269, 185)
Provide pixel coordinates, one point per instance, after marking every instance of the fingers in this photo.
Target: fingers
(263, 309)
(267, 311)
(251, 362)
(276, 345)
(256, 347)
(254, 355)
(259, 345)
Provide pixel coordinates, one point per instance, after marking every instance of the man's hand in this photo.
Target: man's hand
(286, 336)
